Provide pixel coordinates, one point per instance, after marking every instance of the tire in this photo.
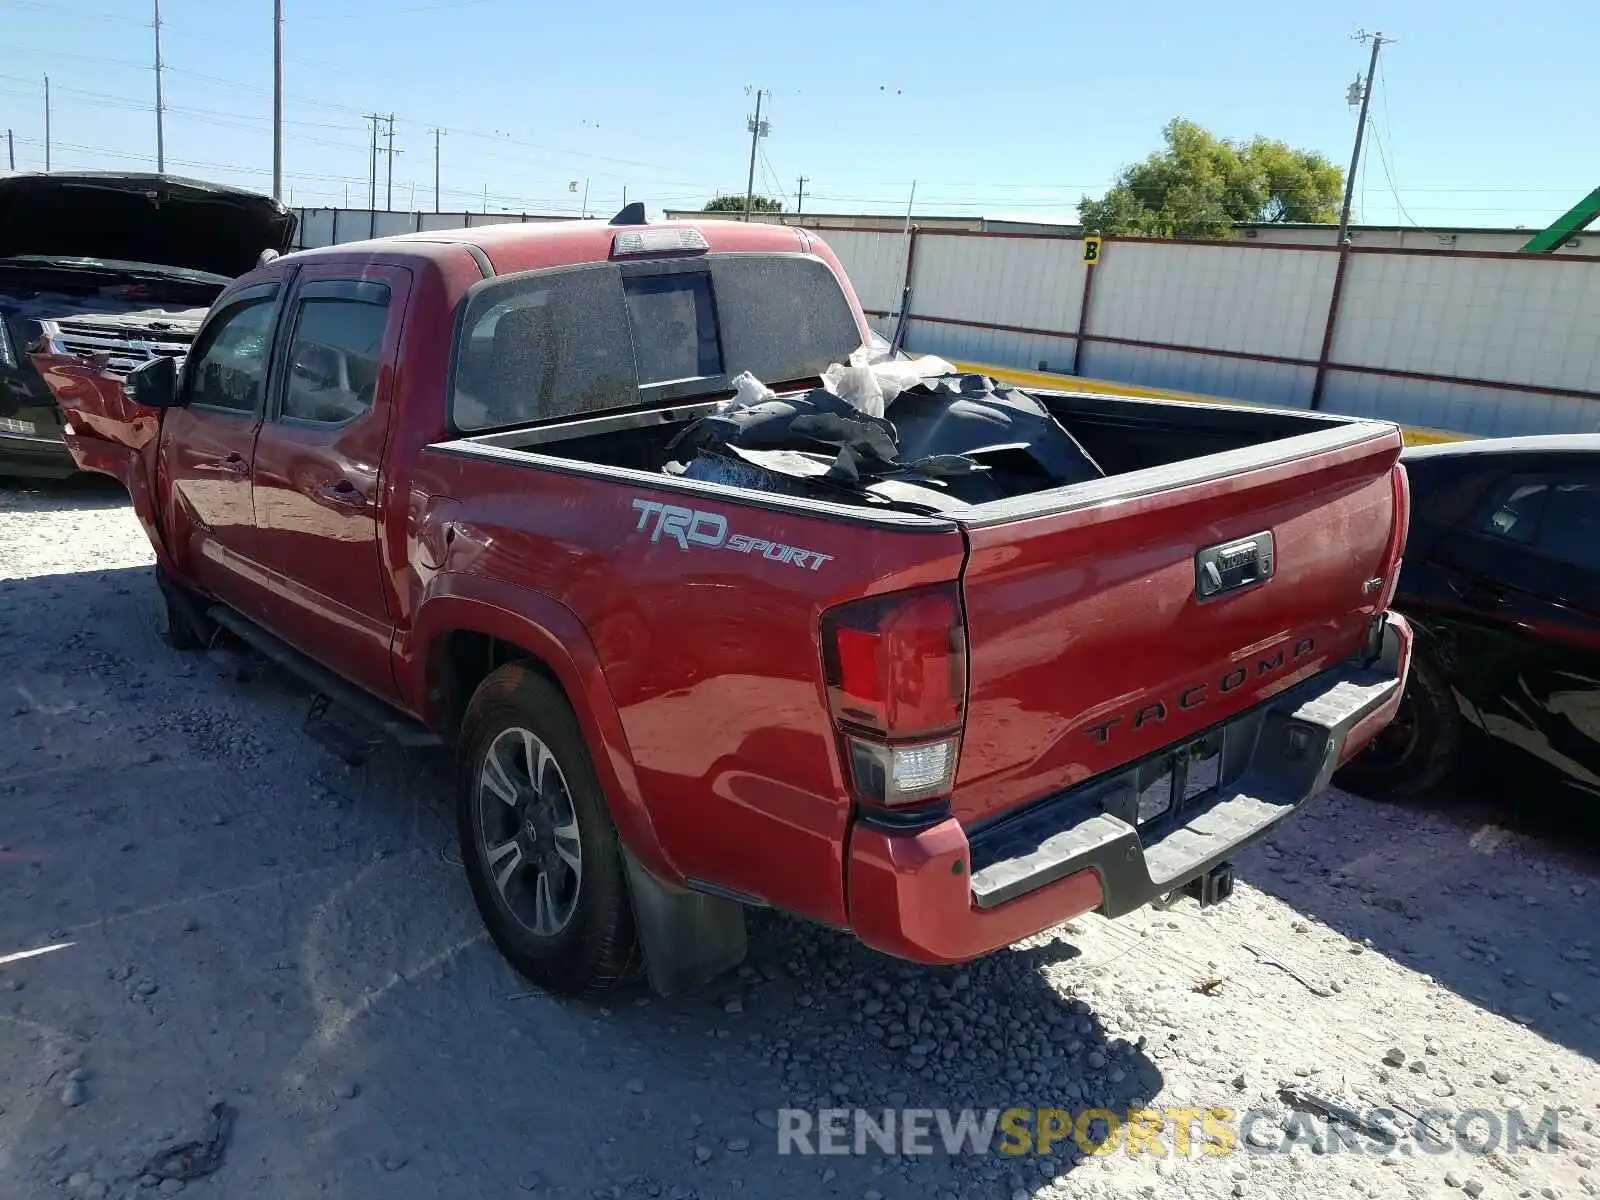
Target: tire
(1419, 749)
(546, 866)
(180, 632)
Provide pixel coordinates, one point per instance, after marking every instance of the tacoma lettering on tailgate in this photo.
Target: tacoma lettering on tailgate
(1197, 694)
(691, 527)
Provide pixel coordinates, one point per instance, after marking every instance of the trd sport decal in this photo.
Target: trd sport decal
(691, 527)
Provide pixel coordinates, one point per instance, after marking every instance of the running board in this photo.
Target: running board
(324, 682)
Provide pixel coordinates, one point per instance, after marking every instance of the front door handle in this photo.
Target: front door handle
(345, 494)
(236, 464)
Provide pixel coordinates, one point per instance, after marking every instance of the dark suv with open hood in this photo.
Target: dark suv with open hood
(100, 272)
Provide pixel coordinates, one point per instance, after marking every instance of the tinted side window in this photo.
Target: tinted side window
(1570, 531)
(1513, 509)
(334, 355)
(228, 370)
(540, 346)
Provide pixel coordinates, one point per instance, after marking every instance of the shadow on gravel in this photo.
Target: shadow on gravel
(1461, 890)
(239, 916)
(80, 492)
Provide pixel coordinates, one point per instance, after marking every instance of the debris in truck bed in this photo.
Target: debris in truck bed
(945, 442)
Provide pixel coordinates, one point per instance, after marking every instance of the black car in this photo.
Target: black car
(116, 269)
(1502, 584)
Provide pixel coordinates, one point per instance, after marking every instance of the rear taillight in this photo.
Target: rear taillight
(896, 673)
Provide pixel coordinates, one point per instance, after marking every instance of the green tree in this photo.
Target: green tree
(736, 204)
(1201, 185)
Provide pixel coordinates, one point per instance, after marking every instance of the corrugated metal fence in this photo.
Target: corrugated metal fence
(1476, 342)
(335, 226)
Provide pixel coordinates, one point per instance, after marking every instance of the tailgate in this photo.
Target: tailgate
(1090, 643)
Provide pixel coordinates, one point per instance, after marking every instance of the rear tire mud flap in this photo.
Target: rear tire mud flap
(688, 937)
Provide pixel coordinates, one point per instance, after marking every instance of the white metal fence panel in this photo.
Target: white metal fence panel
(1026, 283)
(1238, 298)
(875, 262)
(388, 224)
(1458, 407)
(993, 347)
(352, 225)
(316, 228)
(1534, 321)
(432, 222)
(1282, 385)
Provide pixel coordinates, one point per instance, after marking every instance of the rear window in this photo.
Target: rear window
(587, 339)
(783, 319)
(674, 327)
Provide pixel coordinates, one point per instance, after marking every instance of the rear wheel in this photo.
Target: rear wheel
(541, 853)
(1420, 748)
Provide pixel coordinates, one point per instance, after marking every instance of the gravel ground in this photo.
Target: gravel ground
(241, 919)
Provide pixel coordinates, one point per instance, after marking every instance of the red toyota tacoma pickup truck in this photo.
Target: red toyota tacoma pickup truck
(438, 476)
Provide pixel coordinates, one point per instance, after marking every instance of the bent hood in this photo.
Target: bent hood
(156, 219)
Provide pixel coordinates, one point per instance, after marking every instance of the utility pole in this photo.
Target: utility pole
(800, 197)
(585, 197)
(1377, 40)
(758, 130)
(372, 173)
(47, 123)
(11, 149)
(437, 134)
(277, 99)
(161, 145)
(388, 193)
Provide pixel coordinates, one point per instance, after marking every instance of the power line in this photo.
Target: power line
(1383, 161)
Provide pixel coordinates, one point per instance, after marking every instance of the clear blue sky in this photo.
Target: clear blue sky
(1485, 110)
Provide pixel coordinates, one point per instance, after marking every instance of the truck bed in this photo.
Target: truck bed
(1165, 443)
(1094, 636)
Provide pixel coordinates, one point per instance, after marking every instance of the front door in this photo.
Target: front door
(207, 446)
(318, 464)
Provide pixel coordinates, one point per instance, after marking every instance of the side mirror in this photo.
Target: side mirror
(154, 384)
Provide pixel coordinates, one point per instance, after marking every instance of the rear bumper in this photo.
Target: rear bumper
(942, 895)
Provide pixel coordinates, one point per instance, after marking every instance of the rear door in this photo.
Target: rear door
(1523, 633)
(1117, 627)
(208, 446)
(317, 468)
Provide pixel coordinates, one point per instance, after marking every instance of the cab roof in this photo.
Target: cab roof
(514, 246)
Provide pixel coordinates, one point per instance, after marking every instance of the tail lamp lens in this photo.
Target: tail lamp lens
(892, 775)
(896, 665)
(896, 673)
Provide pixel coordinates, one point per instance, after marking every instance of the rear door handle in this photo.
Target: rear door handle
(345, 494)
(236, 464)
(1487, 595)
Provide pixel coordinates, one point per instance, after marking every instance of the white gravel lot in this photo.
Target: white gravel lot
(229, 914)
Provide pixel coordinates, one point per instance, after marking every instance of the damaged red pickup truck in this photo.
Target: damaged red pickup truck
(492, 488)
